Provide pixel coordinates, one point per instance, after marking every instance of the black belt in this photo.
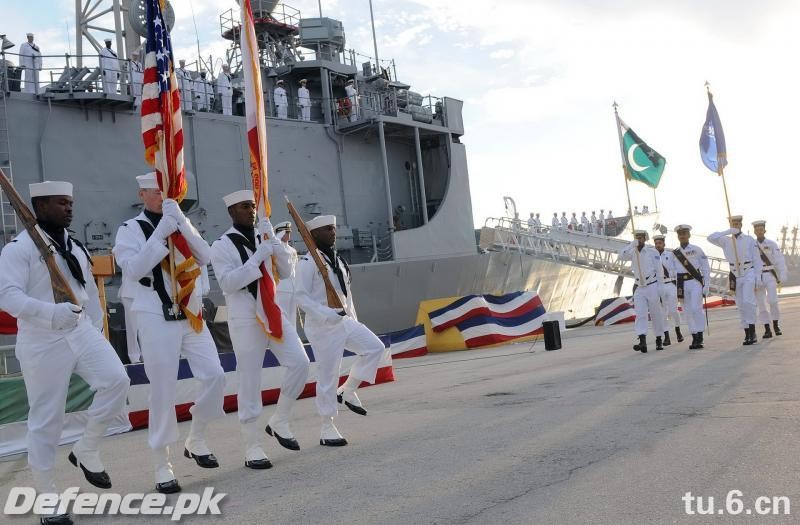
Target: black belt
(669, 281)
(145, 281)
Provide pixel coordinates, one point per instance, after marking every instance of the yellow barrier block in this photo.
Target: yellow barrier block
(447, 341)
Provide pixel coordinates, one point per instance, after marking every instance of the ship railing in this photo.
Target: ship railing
(586, 250)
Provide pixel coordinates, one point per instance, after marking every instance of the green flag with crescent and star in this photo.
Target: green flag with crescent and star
(643, 162)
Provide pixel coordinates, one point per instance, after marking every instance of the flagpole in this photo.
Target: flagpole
(655, 199)
(627, 186)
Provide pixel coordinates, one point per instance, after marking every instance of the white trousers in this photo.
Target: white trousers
(646, 301)
(305, 112)
(328, 343)
(746, 298)
(250, 344)
(46, 370)
(288, 304)
(31, 80)
(693, 306)
(162, 343)
(227, 104)
(110, 82)
(131, 333)
(354, 113)
(669, 304)
(767, 293)
(281, 110)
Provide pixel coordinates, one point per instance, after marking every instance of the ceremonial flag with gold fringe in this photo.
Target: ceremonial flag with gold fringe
(267, 310)
(162, 134)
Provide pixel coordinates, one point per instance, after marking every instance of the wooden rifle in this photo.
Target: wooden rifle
(334, 301)
(62, 292)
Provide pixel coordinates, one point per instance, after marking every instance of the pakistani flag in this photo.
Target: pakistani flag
(644, 163)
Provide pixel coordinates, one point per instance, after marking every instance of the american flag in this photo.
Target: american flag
(162, 124)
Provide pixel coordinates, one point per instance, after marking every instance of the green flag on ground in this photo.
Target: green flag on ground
(644, 163)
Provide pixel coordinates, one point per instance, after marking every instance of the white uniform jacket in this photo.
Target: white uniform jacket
(233, 276)
(774, 254)
(746, 250)
(224, 85)
(30, 57)
(310, 289)
(26, 291)
(646, 267)
(137, 256)
(697, 257)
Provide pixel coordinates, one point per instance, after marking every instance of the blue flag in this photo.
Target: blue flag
(712, 140)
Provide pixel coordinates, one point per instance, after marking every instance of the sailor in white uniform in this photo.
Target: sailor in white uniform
(141, 252)
(332, 331)
(109, 64)
(537, 223)
(203, 93)
(649, 276)
(573, 222)
(773, 273)
(554, 222)
(531, 223)
(745, 272)
(225, 90)
(669, 290)
(286, 287)
(352, 95)
(280, 100)
(136, 72)
(56, 340)
(186, 85)
(30, 58)
(237, 258)
(584, 222)
(593, 223)
(601, 223)
(304, 100)
(693, 275)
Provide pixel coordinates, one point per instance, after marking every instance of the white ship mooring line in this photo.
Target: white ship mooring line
(584, 250)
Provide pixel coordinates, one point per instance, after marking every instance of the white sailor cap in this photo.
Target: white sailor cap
(351, 81)
(147, 181)
(283, 226)
(280, 81)
(238, 196)
(640, 232)
(760, 222)
(29, 34)
(658, 237)
(303, 81)
(107, 40)
(683, 227)
(50, 187)
(735, 218)
(321, 221)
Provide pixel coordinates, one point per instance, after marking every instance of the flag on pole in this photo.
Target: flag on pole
(162, 134)
(643, 162)
(267, 310)
(712, 140)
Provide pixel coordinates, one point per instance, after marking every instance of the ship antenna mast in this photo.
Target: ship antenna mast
(197, 38)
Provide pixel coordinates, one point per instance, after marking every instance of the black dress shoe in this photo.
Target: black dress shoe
(679, 334)
(290, 443)
(61, 519)
(747, 341)
(767, 332)
(700, 340)
(777, 328)
(168, 487)
(357, 409)
(695, 344)
(340, 442)
(207, 461)
(258, 464)
(667, 340)
(658, 344)
(98, 479)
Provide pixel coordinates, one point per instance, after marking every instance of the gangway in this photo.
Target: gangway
(576, 248)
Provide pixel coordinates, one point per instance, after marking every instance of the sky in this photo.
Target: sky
(539, 77)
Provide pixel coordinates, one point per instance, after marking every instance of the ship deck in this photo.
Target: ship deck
(593, 433)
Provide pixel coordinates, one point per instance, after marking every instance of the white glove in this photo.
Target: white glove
(706, 290)
(170, 208)
(166, 227)
(262, 253)
(732, 231)
(265, 228)
(333, 316)
(65, 316)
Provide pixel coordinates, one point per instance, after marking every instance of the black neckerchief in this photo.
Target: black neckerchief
(333, 259)
(153, 217)
(63, 245)
(249, 232)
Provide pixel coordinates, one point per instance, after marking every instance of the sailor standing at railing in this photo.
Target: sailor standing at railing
(537, 223)
(109, 64)
(352, 94)
(746, 266)
(693, 275)
(186, 85)
(136, 72)
(237, 257)
(573, 222)
(56, 340)
(531, 223)
(593, 223)
(280, 99)
(203, 93)
(649, 276)
(584, 222)
(30, 58)
(332, 331)
(554, 222)
(772, 274)
(225, 90)
(304, 100)
(669, 291)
